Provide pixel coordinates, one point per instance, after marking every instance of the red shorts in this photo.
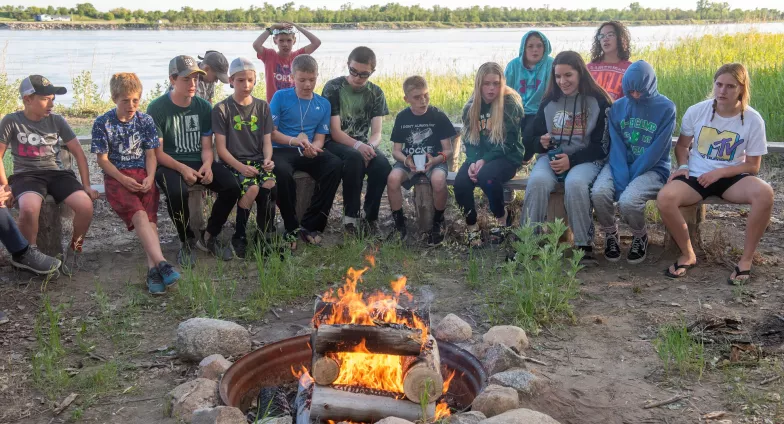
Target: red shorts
(126, 203)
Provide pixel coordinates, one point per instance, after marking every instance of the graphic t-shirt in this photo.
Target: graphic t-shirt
(125, 142)
(292, 115)
(610, 76)
(35, 145)
(277, 70)
(722, 142)
(181, 128)
(422, 134)
(244, 127)
(355, 107)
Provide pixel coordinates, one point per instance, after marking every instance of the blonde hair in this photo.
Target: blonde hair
(495, 125)
(413, 83)
(123, 84)
(739, 72)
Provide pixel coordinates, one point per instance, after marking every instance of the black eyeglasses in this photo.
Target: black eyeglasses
(357, 74)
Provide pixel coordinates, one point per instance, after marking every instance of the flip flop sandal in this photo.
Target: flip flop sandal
(738, 273)
(677, 266)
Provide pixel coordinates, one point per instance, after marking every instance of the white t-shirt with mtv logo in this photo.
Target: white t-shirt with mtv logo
(722, 142)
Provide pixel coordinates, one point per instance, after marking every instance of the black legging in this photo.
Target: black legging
(491, 180)
(354, 171)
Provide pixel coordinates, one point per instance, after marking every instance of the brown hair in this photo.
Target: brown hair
(739, 72)
(304, 63)
(495, 125)
(124, 83)
(587, 85)
(413, 83)
(363, 55)
(621, 34)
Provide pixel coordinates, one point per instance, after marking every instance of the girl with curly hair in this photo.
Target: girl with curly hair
(610, 57)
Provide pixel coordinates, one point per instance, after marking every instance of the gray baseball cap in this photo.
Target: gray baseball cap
(36, 84)
(217, 61)
(241, 64)
(182, 66)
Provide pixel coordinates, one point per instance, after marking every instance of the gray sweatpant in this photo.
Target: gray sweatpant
(577, 197)
(631, 203)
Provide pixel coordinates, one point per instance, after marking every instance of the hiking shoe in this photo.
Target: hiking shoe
(72, 262)
(186, 257)
(155, 282)
(638, 251)
(436, 235)
(240, 246)
(612, 247)
(213, 246)
(168, 274)
(587, 259)
(36, 261)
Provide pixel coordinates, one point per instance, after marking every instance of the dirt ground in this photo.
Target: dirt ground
(602, 366)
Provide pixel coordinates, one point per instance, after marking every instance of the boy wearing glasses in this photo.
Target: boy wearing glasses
(358, 108)
(277, 64)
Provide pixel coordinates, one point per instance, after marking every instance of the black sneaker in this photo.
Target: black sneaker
(612, 247)
(638, 250)
(587, 259)
(240, 246)
(212, 245)
(436, 235)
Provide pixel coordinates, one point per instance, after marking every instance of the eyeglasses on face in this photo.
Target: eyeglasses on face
(357, 74)
(609, 36)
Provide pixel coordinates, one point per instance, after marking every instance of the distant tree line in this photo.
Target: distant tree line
(394, 12)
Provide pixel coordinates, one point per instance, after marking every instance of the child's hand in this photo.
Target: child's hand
(268, 165)
(409, 162)
(147, 183)
(367, 152)
(205, 172)
(128, 183)
(6, 198)
(560, 164)
(189, 175)
(93, 193)
(248, 171)
(545, 140)
(429, 163)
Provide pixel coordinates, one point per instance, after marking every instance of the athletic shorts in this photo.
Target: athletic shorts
(127, 203)
(410, 175)
(58, 184)
(716, 189)
(248, 182)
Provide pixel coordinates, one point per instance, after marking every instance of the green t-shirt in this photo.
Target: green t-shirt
(181, 128)
(355, 107)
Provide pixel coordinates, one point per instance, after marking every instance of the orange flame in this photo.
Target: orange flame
(442, 410)
(448, 381)
(374, 371)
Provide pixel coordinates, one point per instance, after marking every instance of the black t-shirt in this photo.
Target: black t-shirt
(422, 134)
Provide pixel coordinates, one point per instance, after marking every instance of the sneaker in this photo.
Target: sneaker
(186, 257)
(436, 235)
(612, 247)
(72, 262)
(399, 233)
(155, 282)
(213, 246)
(240, 246)
(34, 260)
(638, 251)
(587, 259)
(168, 274)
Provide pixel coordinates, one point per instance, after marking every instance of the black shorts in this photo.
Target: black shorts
(58, 184)
(716, 189)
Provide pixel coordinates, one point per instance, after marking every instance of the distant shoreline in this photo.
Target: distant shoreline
(98, 25)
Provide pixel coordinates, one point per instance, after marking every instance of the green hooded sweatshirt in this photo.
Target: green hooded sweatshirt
(512, 147)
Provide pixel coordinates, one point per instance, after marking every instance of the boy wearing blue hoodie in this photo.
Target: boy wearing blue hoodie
(529, 72)
(640, 127)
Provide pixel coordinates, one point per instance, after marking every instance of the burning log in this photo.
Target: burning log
(324, 311)
(330, 404)
(325, 369)
(390, 340)
(366, 390)
(417, 371)
(303, 401)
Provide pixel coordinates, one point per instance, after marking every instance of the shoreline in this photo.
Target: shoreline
(131, 26)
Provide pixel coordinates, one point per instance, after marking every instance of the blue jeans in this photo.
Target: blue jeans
(10, 236)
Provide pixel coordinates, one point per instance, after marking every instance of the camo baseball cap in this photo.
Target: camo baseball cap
(36, 84)
(182, 66)
(217, 61)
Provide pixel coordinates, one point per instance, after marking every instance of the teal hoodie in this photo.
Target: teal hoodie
(530, 83)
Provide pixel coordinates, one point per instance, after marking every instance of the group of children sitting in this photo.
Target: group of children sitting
(602, 129)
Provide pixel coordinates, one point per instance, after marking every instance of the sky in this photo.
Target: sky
(105, 5)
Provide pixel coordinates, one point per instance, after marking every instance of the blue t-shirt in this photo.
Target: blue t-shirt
(125, 142)
(292, 115)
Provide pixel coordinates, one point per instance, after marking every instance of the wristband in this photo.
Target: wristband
(442, 155)
(357, 144)
(290, 140)
(683, 167)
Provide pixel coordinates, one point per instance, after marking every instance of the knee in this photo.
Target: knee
(269, 184)
(81, 204)
(438, 182)
(576, 185)
(334, 164)
(29, 210)
(762, 196)
(602, 195)
(394, 181)
(666, 198)
(630, 205)
(539, 184)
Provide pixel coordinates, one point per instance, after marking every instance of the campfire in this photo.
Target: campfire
(372, 358)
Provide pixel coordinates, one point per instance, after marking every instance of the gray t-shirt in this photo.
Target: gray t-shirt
(243, 126)
(35, 146)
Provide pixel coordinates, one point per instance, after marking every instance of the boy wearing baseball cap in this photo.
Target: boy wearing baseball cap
(35, 136)
(242, 126)
(185, 158)
(124, 140)
(277, 64)
(216, 68)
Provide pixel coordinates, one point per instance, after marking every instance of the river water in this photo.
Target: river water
(60, 55)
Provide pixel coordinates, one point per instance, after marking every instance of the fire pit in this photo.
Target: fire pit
(368, 357)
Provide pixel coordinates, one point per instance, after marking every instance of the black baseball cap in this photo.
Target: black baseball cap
(36, 84)
(217, 61)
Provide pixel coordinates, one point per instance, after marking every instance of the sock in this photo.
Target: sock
(242, 222)
(438, 216)
(18, 255)
(400, 219)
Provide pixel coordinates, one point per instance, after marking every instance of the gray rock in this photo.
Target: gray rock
(198, 338)
(393, 420)
(213, 367)
(507, 335)
(452, 329)
(519, 379)
(519, 416)
(500, 358)
(470, 417)
(495, 400)
(219, 415)
(186, 398)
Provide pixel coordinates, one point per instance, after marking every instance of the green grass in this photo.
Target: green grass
(679, 351)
